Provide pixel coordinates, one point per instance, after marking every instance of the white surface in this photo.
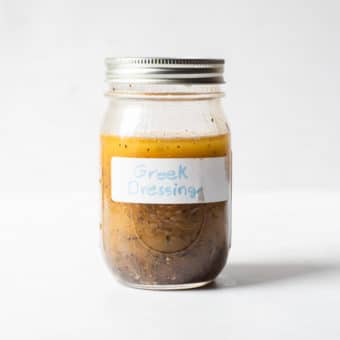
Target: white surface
(282, 280)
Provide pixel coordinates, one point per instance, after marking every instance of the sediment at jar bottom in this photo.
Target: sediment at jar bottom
(153, 244)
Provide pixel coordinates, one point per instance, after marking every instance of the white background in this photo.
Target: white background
(283, 71)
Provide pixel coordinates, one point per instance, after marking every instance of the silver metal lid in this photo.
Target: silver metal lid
(153, 70)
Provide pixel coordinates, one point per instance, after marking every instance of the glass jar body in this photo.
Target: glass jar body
(164, 244)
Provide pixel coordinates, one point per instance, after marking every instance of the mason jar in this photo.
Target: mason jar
(166, 172)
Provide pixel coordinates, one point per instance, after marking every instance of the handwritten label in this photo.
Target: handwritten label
(169, 180)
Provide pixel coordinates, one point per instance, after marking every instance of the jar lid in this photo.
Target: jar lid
(154, 70)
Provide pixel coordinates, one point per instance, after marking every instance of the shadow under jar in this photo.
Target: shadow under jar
(166, 172)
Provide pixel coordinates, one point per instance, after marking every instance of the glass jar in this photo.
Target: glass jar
(166, 172)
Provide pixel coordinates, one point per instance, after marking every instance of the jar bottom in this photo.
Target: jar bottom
(183, 286)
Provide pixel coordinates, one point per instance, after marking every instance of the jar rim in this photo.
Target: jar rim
(165, 91)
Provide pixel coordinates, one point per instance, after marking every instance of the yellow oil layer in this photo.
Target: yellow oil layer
(198, 147)
(214, 146)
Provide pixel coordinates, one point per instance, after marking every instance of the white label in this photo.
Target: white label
(169, 180)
